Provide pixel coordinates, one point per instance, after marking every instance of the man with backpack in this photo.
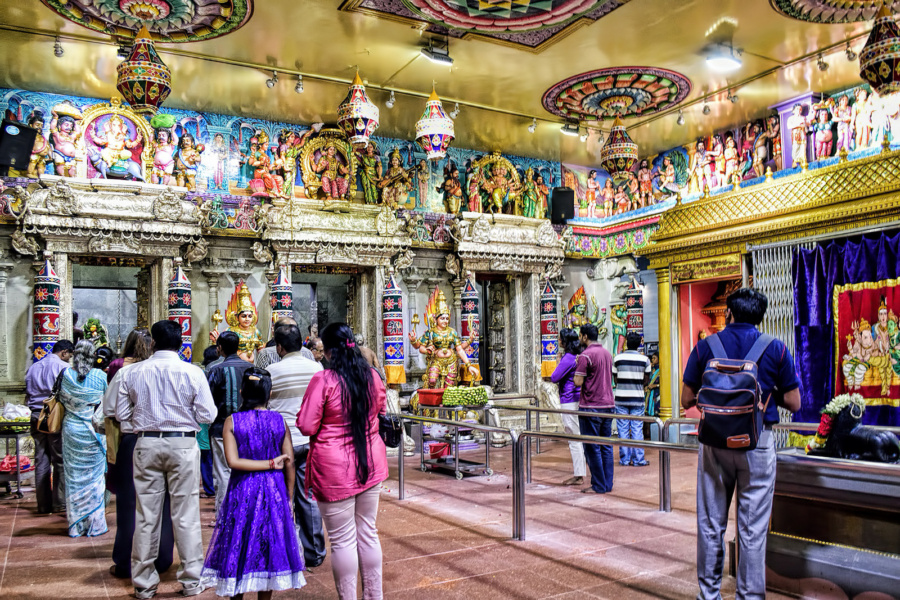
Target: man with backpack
(737, 378)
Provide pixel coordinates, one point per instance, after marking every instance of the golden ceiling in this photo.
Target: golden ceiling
(498, 86)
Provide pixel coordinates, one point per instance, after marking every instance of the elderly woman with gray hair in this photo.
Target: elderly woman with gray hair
(83, 449)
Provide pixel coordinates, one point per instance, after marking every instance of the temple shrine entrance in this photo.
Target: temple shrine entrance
(324, 294)
(494, 331)
(105, 296)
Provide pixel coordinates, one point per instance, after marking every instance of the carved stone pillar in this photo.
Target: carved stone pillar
(5, 267)
(213, 279)
(160, 273)
(375, 339)
(142, 297)
(413, 280)
(66, 294)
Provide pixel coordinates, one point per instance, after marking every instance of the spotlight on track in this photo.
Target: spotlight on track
(732, 97)
(706, 109)
(570, 128)
(584, 135)
(299, 86)
(455, 112)
(680, 119)
(57, 48)
(390, 101)
(270, 83)
(820, 62)
(851, 55)
(533, 127)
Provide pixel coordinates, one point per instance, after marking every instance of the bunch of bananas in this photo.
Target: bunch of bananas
(465, 396)
(17, 424)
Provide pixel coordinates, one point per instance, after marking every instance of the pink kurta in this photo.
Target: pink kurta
(331, 466)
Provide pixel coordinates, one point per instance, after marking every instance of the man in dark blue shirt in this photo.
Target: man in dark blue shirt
(752, 473)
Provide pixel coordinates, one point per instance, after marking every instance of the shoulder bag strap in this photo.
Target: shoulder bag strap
(759, 348)
(715, 345)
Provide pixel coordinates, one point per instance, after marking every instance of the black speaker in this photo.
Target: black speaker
(16, 144)
(562, 205)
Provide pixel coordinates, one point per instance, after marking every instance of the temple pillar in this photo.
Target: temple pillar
(63, 268)
(669, 392)
(160, 274)
(5, 267)
(213, 279)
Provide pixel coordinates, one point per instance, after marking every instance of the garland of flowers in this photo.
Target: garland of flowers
(831, 410)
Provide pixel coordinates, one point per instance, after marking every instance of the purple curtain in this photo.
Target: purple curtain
(816, 272)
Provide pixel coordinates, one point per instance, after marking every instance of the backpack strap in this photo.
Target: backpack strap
(759, 348)
(716, 347)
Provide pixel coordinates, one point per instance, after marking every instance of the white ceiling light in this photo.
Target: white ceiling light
(680, 119)
(820, 62)
(570, 128)
(390, 101)
(706, 109)
(438, 51)
(851, 55)
(299, 87)
(533, 127)
(732, 97)
(584, 135)
(270, 83)
(455, 112)
(722, 58)
(57, 48)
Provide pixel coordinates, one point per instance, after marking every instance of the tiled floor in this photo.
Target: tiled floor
(448, 539)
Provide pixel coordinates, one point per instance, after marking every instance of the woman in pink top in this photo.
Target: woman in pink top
(347, 459)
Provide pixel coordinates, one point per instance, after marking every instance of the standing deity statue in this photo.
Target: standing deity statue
(543, 192)
(497, 187)
(843, 114)
(618, 320)
(187, 161)
(442, 346)
(395, 184)
(475, 181)
(289, 152)
(732, 159)
(797, 125)
(40, 152)
(773, 132)
(334, 173)
(370, 172)
(760, 150)
(163, 148)
(645, 183)
(821, 126)
(862, 120)
(220, 153)
(576, 316)
(452, 188)
(590, 194)
(608, 194)
(64, 135)
(529, 195)
(242, 317)
(695, 169)
(717, 152)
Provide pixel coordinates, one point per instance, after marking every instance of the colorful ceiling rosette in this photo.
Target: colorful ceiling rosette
(143, 78)
(357, 115)
(167, 20)
(832, 11)
(526, 24)
(879, 59)
(606, 94)
(434, 131)
(619, 153)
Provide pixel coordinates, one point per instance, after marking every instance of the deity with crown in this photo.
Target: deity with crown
(576, 316)
(441, 345)
(242, 317)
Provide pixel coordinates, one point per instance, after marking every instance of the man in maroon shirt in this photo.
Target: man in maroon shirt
(593, 373)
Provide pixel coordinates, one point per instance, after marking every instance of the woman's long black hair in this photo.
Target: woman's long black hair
(570, 341)
(355, 376)
(255, 388)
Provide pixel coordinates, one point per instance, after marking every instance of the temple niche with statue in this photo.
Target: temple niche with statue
(461, 181)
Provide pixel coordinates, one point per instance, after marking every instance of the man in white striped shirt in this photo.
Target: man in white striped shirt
(166, 400)
(631, 370)
(290, 378)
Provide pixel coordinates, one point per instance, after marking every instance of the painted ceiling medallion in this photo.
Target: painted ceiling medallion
(167, 20)
(501, 16)
(832, 11)
(526, 24)
(616, 92)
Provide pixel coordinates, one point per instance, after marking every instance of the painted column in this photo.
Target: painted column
(669, 398)
(549, 329)
(5, 267)
(159, 283)
(281, 296)
(392, 319)
(46, 311)
(634, 311)
(179, 302)
(470, 324)
(213, 277)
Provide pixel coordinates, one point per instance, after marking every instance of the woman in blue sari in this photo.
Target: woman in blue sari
(83, 449)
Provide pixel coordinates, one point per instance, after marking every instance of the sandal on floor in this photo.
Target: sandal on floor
(573, 481)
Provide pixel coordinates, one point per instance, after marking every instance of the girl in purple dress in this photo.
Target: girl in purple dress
(254, 547)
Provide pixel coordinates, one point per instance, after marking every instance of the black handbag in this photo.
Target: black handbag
(390, 429)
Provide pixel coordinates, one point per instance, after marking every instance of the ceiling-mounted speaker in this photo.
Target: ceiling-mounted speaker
(562, 205)
(16, 143)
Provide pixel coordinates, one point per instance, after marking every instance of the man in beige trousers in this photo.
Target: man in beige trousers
(166, 400)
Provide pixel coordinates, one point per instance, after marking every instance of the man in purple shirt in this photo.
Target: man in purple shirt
(593, 374)
(39, 380)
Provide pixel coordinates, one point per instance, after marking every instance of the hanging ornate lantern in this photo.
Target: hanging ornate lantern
(357, 115)
(879, 60)
(619, 153)
(144, 80)
(434, 131)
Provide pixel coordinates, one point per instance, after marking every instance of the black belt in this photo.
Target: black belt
(167, 434)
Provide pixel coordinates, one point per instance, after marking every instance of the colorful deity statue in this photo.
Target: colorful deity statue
(608, 194)
(717, 161)
(498, 188)
(395, 183)
(475, 181)
(423, 176)
(862, 120)
(576, 316)
(760, 149)
(40, 152)
(590, 194)
(543, 193)
(773, 132)
(441, 345)
(621, 199)
(843, 114)
(797, 125)
(370, 172)
(64, 135)
(333, 173)
(633, 189)
(289, 152)
(95, 333)
(266, 182)
(242, 317)
(618, 319)
(695, 169)
(115, 148)
(187, 161)
(530, 195)
(452, 188)
(645, 183)
(163, 148)
(220, 153)
(821, 125)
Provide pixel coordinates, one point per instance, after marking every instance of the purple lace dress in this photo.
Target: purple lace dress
(254, 547)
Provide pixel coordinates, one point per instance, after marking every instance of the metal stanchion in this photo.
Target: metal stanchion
(401, 492)
(528, 443)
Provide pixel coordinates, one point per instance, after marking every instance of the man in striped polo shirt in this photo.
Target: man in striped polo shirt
(631, 370)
